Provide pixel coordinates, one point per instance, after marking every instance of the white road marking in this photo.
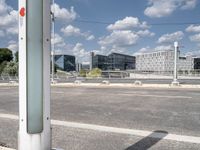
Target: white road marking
(57, 92)
(142, 133)
(5, 148)
(159, 96)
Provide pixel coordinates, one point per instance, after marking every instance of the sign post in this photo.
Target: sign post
(34, 75)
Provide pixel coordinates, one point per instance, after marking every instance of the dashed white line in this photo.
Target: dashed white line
(142, 133)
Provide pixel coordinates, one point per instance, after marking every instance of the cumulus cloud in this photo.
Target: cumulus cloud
(169, 38)
(80, 52)
(64, 14)
(161, 8)
(4, 8)
(127, 23)
(164, 47)
(58, 41)
(188, 4)
(124, 33)
(145, 33)
(71, 31)
(90, 37)
(195, 38)
(193, 28)
(74, 31)
(13, 45)
(9, 19)
(143, 50)
(119, 39)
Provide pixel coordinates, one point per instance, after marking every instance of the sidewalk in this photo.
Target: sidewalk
(125, 85)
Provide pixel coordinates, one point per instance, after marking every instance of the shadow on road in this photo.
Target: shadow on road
(148, 141)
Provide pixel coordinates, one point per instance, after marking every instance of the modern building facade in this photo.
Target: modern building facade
(118, 61)
(65, 62)
(196, 63)
(114, 61)
(162, 61)
(99, 61)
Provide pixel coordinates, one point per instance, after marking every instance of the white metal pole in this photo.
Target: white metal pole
(175, 78)
(53, 43)
(39, 139)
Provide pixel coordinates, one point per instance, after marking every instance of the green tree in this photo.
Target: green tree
(2, 66)
(17, 56)
(5, 55)
(11, 68)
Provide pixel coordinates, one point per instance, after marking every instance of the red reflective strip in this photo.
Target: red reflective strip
(22, 12)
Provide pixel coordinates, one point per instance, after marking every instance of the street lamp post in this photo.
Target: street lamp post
(175, 77)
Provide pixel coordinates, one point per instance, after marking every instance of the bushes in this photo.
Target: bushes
(82, 73)
(96, 72)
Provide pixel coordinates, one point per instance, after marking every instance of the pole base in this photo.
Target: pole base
(175, 83)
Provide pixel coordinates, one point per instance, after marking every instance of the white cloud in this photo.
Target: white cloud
(164, 47)
(195, 38)
(71, 31)
(142, 50)
(193, 53)
(4, 7)
(74, 31)
(161, 8)
(145, 33)
(127, 23)
(90, 37)
(63, 13)
(193, 28)
(170, 38)
(9, 19)
(13, 45)
(188, 4)
(58, 41)
(119, 39)
(12, 30)
(80, 53)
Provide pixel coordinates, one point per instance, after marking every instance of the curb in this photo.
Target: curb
(125, 85)
(122, 85)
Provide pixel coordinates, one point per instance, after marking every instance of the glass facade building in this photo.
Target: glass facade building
(118, 61)
(65, 62)
(100, 61)
(197, 63)
(114, 61)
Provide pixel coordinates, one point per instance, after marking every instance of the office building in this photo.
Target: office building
(162, 61)
(114, 61)
(65, 62)
(196, 63)
(99, 61)
(118, 61)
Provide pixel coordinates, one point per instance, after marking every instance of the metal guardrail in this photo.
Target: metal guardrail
(129, 74)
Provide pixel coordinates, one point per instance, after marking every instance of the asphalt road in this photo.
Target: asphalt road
(174, 111)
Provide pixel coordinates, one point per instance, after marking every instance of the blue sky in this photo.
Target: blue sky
(126, 26)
